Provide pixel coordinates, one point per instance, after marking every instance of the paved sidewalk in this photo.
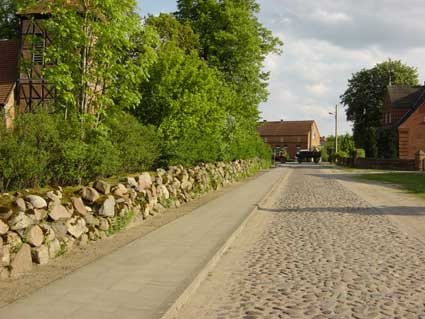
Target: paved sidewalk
(143, 279)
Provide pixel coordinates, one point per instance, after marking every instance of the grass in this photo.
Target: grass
(120, 223)
(412, 182)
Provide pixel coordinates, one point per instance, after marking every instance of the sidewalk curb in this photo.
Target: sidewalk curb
(210, 265)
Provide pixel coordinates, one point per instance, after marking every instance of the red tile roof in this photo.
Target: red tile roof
(280, 128)
(8, 68)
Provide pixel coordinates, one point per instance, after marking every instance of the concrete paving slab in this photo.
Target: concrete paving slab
(144, 278)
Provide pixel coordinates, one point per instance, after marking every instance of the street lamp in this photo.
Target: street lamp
(336, 127)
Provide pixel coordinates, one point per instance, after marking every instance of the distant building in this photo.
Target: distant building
(404, 110)
(290, 135)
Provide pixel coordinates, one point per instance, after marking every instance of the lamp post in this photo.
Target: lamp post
(336, 127)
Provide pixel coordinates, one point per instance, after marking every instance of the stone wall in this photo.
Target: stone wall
(35, 228)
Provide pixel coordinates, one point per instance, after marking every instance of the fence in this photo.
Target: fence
(385, 164)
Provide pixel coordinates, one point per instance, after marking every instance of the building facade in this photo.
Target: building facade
(404, 111)
(291, 136)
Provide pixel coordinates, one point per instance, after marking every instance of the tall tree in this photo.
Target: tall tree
(236, 43)
(364, 97)
(94, 57)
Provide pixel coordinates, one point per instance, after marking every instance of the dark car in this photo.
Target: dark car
(308, 156)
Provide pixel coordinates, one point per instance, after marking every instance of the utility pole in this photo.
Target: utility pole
(336, 128)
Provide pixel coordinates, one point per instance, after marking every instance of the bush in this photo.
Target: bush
(361, 153)
(46, 149)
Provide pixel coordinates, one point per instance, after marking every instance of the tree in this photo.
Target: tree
(94, 57)
(364, 97)
(235, 42)
(8, 19)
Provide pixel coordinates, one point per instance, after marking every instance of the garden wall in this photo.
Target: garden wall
(37, 227)
(384, 164)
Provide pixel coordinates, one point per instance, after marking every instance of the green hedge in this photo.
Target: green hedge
(45, 149)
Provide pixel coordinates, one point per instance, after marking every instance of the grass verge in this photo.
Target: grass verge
(412, 182)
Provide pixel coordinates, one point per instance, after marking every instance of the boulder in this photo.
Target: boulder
(104, 224)
(76, 227)
(102, 187)
(89, 194)
(54, 196)
(13, 240)
(5, 213)
(5, 255)
(22, 263)
(131, 182)
(40, 255)
(37, 215)
(145, 181)
(60, 229)
(35, 236)
(108, 207)
(84, 240)
(20, 205)
(91, 220)
(78, 204)
(163, 192)
(54, 247)
(120, 190)
(20, 221)
(4, 228)
(58, 212)
(36, 201)
(48, 231)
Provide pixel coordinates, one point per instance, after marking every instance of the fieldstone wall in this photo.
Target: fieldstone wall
(36, 228)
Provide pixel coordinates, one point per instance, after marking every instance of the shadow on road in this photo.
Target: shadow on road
(382, 210)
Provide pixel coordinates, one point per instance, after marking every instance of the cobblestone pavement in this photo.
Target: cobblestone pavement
(321, 252)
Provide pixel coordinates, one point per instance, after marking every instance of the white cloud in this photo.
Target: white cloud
(326, 42)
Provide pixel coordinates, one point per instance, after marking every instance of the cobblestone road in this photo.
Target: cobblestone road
(321, 252)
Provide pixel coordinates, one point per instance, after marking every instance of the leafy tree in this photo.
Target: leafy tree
(94, 56)
(8, 19)
(364, 98)
(236, 43)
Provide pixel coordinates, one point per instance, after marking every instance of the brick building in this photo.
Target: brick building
(404, 110)
(290, 135)
(8, 78)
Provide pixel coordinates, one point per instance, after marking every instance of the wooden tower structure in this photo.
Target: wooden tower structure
(33, 89)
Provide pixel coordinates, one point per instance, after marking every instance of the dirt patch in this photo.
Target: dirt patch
(12, 290)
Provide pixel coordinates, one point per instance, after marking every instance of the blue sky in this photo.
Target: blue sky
(326, 41)
(156, 6)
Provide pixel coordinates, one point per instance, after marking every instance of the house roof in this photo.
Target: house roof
(280, 128)
(8, 68)
(405, 96)
(420, 100)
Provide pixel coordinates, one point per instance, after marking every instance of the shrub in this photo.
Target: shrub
(361, 153)
(46, 149)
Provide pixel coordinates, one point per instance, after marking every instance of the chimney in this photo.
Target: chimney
(264, 121)
(281, 120)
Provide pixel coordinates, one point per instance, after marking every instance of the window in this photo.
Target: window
(389, 118)
(38, 46)
(298, 148)
(265, 140)
(282, 139)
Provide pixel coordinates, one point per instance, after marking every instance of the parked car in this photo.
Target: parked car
(309, 156)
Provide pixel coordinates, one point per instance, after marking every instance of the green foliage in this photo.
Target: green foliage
(361, 153)
(364, 99)
(387, 140)
(96, 57)
(8, 19)
(46, 149)
(236, 43)
(120, 222)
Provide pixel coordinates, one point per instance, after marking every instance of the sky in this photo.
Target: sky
(325, 42)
